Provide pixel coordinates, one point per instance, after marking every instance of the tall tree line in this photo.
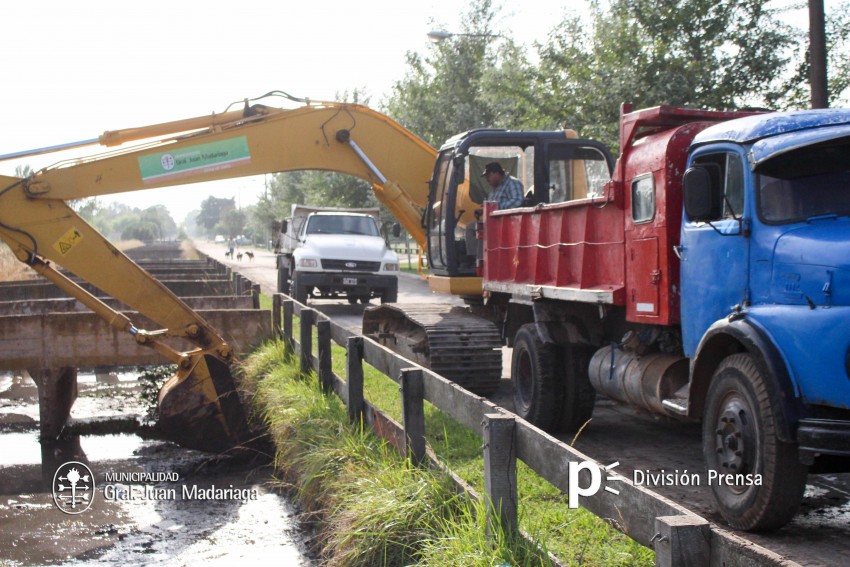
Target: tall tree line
(714, 54)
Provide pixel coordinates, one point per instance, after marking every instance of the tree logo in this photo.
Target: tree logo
(73, 487)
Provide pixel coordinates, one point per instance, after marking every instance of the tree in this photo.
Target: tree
(707, 53)
(233, 221)
(212, 209)
(479, 78)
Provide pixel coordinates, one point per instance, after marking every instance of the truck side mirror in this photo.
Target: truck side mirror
(701, 194)
(396, 230)
(284, 226)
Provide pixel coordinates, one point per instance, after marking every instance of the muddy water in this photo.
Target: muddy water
(153, 503)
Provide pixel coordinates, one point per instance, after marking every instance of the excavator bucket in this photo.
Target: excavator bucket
(199, 408)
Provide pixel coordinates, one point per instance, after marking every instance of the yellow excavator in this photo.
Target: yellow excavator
(436, 196)
(198, 406)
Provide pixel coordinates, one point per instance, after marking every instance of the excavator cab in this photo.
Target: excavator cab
(553, 167)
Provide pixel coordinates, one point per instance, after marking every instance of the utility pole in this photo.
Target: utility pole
(817, 55)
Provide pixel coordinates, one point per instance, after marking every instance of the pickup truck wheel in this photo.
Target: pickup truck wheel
(579, 397)
(766, 480)
(390, 294)
(283, 281)
(534, 376)
(299, 290)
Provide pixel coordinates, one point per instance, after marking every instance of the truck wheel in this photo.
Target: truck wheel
(390, 294)
(534, 376)
(579, 397)
(739, 437)
(283, 281)
(299, 290)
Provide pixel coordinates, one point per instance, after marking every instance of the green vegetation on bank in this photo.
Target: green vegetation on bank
(373, 508)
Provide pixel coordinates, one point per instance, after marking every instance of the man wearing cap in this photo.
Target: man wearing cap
(507, 191)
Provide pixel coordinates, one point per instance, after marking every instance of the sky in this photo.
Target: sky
(73, 70)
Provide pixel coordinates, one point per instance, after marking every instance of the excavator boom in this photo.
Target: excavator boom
(198, 406)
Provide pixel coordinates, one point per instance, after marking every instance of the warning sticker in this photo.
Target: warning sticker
(68, 241)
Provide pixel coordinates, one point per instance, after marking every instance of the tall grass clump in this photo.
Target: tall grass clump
(371, 506)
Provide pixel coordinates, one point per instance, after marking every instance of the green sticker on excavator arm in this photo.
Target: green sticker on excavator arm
(68, 241)
(194, 160)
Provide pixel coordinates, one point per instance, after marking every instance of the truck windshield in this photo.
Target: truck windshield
(806, 183)
(341, 224)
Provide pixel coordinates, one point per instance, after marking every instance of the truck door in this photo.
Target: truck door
(715, 254)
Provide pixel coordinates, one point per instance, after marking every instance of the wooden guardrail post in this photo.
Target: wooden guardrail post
(413, 414)
(500, 473)
(354, 378)
(306, 339)
(682, 541)
(255, 294)
(325, 370)
(277, 299)
(288, 308)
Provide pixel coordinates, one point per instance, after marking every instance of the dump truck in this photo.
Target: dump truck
(706, 280)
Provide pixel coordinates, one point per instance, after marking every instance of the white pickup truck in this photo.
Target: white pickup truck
(328, 253)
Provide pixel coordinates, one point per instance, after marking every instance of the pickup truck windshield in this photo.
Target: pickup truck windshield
(804, 184)
(341, 224)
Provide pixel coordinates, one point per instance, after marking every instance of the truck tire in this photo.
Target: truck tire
(283, 281)
(390, 294)
(535, 378)
(579, 396)
(739, 436)
(299, 290)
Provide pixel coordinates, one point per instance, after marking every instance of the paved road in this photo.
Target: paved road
(818, 536)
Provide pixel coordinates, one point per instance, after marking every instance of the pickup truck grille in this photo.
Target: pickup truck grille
(350, 266)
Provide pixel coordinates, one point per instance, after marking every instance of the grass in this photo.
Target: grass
(358, 488)
(372, 506)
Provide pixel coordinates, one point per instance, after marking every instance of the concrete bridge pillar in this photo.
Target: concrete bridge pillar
(57, 392)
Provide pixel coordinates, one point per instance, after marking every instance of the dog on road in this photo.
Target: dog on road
(250, 255)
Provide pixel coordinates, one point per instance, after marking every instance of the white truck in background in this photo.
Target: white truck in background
(326, 252)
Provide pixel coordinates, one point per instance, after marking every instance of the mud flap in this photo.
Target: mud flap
(200, 408)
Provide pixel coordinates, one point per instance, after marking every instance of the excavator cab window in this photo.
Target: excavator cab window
(574, 172)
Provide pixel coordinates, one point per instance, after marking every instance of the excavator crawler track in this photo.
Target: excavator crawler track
(454, 343)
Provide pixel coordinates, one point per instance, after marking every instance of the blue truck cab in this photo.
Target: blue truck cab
(765, 303)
